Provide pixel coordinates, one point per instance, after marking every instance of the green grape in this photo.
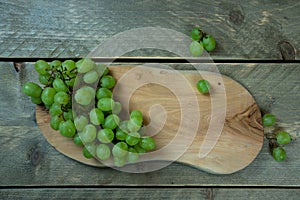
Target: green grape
(283, 138)
(45, 79)
(120, 135)
(103, 93)
(68, 115)
(134, 124)
(61, 98)
(105, 135)
(85, 65)
(55, 121)
(119, 161)
(279, 154)
(196, 34)
(59, 85)
(101, 69)
(36, 100)
(132, 155)
(136, 114)
(96, 116)
(123, 125)
(69, 65)
(85, 95)
(120, 150)
(105, 104)
(196, 48)
(103, 151)
(77, 140)
(70, 82)
(147, 143)
(80, 122)
(55, 109)
(132, 138)
(89, 150)
(88, 134)
(139, 149)
(42, 67)
(55, 64)
(111, 121)
(209, 43)
(32, 89)
(91, 77)
(203, 86)
(268, 120)
(48, 95)
(107, 81)
(117, 108)
(67, 128)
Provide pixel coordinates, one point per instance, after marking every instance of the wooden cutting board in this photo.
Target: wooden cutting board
(225, 138)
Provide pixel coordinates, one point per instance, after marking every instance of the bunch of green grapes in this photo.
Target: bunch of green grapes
(201, 41)
(93, 121)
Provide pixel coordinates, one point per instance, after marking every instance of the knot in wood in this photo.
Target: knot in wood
(35, 156)
(287, 50)
(236, 16)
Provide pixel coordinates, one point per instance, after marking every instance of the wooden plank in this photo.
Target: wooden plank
(27, 158)
(150, 193)
(243, 30)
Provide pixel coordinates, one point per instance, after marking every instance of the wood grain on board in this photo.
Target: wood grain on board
(224, 150)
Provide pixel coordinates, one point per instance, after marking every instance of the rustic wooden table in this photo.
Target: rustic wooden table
(258, 46)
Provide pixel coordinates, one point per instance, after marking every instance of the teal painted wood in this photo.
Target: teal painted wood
(243, 30)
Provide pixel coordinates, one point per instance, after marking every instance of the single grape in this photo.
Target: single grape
(147, 143)
(123, 125)
(48, 95)
(55, 64)
(120, 135)
(209, 43)
(108, 81)
(42, 67)
(45, 79)
(32, 89)
(120, 150)
(101, 69)
(111, 121)
(132, 155)
(139, 149)
(89, 150)
(134, 124)
(196, 48)
(68, 115)
(61, 98)
(55, 121)
(103, 93)
(59, 85)
(84, 95)
(105, 135)
(77, 140)
(80, 122)
(88, 134)
(103, 151)
(132, 138)
(69, 65)
(136, 114)
(85, 65)
(105, 104)
(279, 154)
(96, 116)
(203, 86)
(91, 77)
(283, 138)
(196, 34)
(117, 108)
(119, 161)
(55, 109)
(70, 82)
(67, 128)
(268, 120)
(36, 100)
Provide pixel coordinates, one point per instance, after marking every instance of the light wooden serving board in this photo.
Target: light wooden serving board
(215, 149)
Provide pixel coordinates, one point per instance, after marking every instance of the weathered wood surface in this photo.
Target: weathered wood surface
(243, 30)
(27, 158)
(151, 193)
